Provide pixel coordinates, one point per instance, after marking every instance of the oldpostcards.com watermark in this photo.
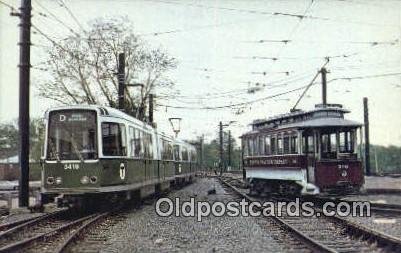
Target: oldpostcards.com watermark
(193, 208)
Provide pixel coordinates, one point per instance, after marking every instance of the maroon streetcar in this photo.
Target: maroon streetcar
(303, 152)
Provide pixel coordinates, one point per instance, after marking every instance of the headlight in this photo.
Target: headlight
(58, 180)
(84, 180)
(50, 180)
(93, 179)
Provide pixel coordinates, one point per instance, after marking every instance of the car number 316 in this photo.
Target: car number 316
(71, 166)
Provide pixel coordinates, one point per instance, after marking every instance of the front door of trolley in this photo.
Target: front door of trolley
(310, 149)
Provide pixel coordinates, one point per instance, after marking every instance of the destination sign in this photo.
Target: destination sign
(69, 116)
(282, 161)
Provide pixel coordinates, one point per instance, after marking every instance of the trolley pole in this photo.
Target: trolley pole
(24, 82)
(367, 143)
(323, 71)
(221, 147)
(121, 81)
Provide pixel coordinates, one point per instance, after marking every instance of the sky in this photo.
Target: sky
(224, 47)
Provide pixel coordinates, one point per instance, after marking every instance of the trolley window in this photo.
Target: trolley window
(177, 153)
(184, 154)
(261, 145)
(114, 139)
(294, 145)
(72, 135)
(167, 151)
(286, 143)
(280, 146)
(273, 145)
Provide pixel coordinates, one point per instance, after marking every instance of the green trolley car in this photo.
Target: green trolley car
(94, 152)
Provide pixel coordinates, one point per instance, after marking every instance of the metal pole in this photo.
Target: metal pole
(324, 86)
(367, 143)
(121, 81)
(24, 79)
(151, 108)
(229, 149)
(201, 151)
(221, 147)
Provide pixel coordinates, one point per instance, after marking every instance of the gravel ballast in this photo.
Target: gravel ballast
(144, 231)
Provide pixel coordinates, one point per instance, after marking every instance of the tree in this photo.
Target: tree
(82, 67)
(212, 153)
(9, 139)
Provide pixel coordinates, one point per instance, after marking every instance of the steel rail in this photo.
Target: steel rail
(307, 241)
(352, 228)
(79, 231)
(11, 227)
(377, 207)
(20, 244)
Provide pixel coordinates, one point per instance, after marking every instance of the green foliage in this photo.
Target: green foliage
(9, 139)
(388, 159)
(212, 154)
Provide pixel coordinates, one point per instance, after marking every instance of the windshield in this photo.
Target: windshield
(72, 135)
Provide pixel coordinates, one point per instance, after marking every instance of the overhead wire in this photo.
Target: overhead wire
(54, 17)
(62, 3)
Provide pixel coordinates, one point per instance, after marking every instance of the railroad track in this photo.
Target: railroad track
(47, 233)
(331, 234)
(382, 208)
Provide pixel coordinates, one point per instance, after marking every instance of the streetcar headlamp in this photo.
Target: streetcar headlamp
(84, 180)
(59, 180)
(93, 179)
(50, 180)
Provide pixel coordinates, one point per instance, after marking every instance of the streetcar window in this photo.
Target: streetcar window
(132, 141)
(184, 154)
(333, 142)
(255, 146)
(261, 145)
(147, 141)
(351, 141)
(286, 143)
(167, 151)
(150, 140)
(325, 141)
(251, 147)
(294, 145)
(310, 145)
(72, 135)
(177, 153)
(113, 136)
(193, 156)
(273, 146)
(267, 145)
(280, 145)
(138, 151)
(343, 141)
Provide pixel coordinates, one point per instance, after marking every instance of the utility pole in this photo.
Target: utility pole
(151, 109)
(221, 147)
(367, 143)
(24, 82)
(201, 151)
(121, 81)
(229, 149)
(323, 71)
